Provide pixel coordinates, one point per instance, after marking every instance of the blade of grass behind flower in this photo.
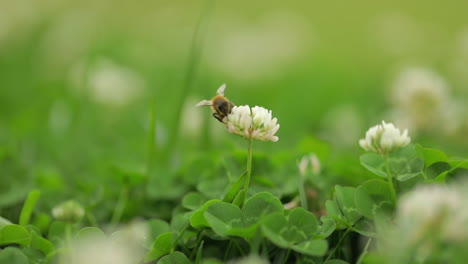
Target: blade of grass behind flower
(194, 57)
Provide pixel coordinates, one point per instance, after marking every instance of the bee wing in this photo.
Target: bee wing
(204, 103)
(221, 89)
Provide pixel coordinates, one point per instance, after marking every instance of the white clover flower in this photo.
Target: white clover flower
(434, 209)
(250, 259)
(384, 138)
(97, 249)
(70, 211)
(417, 89)
(114, 85)
(256, 123)
(420, 99)
(311, 162)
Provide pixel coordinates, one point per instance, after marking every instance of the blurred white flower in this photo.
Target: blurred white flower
(441, 210)
(256, 123)
(428, 219)
(70, 211)
(102, 250)
(384, 138)
(114, 85)
(250, 259)
(311, 162)
(420, 98)
(136, 232)
(291, 205)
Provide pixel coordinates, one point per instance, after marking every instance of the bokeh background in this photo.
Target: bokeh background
(98, 94)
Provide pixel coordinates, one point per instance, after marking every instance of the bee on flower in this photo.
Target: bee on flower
(219, 104)
(251, 123)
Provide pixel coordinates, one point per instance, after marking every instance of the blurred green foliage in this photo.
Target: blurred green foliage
(90, 93)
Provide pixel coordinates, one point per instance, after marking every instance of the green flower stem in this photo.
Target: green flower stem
(238, 247)
(150, 159)
(337, 245)
(255, 244)
(228, 251)
(364, 252)
(286, 256)
(302, 193)
(249, 170)
(181, 234)
(68, 234)
(195, 53)
(119, 208)
(198, 243)
(91, 218)
(390, 178)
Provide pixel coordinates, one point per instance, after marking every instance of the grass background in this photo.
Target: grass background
(324, 68)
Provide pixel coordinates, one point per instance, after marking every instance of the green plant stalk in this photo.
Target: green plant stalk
(151, 140)
(28, 207)
(286, 256)
(91, 218)
(120, 207)
(193, 61)
(390, 178)
(338, 244)
(68, 234)
(228, 251)
(199, 253)
(198, 243)
(249, 169)
(302, 192)
(364, 252)
(238, 247)
(181, 234)
(255, 243)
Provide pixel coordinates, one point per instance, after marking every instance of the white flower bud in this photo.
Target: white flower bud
(309, 162)
(256, 123)
(316, 165)
(384, 138)
(69, 211)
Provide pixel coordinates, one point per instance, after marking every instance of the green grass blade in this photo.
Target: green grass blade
(28, 207)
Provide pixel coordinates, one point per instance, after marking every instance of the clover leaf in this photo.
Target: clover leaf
(296, 231)
(229, 220)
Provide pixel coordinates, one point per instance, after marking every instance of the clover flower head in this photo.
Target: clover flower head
(440, 209)
(418, 89)
(93, 248)
(384, 138)
(309, 163)
(69, 211)
(252, 123)
(422, 99)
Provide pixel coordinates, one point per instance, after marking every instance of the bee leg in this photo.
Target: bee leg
(217, 116)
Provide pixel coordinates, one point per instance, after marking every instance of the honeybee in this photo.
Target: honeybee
(220, 105)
